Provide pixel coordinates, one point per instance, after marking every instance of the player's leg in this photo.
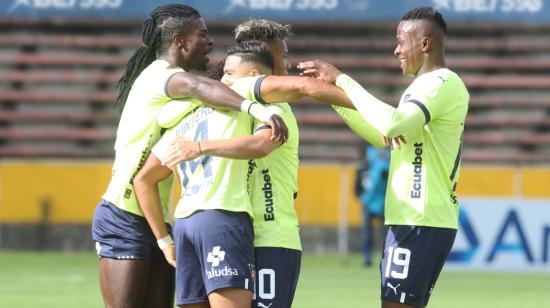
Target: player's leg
(386, 304)
(230, 298)
(224, 242)
(160, 285)
(161, 280)
(190, 290)
(277, 272)
(123, 282)
(413, 257)
(126, 245)
(202, 305)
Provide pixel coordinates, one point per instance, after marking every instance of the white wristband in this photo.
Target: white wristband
(165, 242)
(245, 105)
(258, 111)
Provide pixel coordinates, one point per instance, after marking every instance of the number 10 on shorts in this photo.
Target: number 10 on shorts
(266, 284)
(399, 257)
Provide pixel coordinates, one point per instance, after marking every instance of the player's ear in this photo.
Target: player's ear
(254, 72)
(426, 44)
(179, 41)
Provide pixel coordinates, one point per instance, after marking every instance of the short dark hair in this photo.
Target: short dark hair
(253, 51)
(429, 14)
(261, 30)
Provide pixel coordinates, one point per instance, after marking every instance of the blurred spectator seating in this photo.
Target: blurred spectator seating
(57, 85)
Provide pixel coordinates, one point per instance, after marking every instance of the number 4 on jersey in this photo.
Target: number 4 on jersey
(188, 168)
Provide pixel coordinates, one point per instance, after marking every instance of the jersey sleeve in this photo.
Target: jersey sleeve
(390, 121)
(160, 148)
(158, 82)
(361, 127)
(175, 110)
(249, 87)
(426, 93)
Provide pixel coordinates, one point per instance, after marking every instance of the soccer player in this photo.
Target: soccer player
(421, 204)
(133, 272)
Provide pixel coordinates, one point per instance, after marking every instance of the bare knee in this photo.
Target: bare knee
(230, 298)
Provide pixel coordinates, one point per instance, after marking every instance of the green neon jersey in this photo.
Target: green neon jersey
(424, 172)
(210, 182)
(273, 180)
(138, 132)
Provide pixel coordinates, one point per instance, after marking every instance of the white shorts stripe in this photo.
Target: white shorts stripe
(402, 299)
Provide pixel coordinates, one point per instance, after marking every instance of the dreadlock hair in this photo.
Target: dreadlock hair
(261, 30)
(253, 51)
(215, 72)
(158, 30)
(427, 13)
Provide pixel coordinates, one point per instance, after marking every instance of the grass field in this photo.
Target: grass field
(70, 280)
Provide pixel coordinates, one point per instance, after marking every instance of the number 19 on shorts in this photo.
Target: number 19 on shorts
(400, 257)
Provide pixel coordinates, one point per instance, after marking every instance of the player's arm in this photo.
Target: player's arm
(146, 187)
(244, 147)
(275, 89)
(217, 95)
(254, 146)
(390, 121)
(362, 128)
(288, 88)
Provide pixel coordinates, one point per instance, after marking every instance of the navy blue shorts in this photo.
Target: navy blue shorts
(214, 250)
(413, 258)
(119, 234)
(277, 272)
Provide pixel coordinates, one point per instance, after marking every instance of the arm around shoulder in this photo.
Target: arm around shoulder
(255, 146)
(275, 89)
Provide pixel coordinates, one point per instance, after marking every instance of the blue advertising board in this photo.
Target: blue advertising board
(532, 11)
(502, 235)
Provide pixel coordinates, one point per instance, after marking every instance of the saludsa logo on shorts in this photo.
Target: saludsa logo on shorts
(216, 256)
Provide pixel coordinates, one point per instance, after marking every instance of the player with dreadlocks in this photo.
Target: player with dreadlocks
(133, 270)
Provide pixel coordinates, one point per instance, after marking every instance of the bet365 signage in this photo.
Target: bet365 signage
(293, 10)
(503, 234)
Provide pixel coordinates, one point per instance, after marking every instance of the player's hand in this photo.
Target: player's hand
(170, 254)
(278, 128)
(393, 143)
(320, 70)
(181, 149)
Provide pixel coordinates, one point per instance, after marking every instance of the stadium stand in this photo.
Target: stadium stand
(57, 85)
